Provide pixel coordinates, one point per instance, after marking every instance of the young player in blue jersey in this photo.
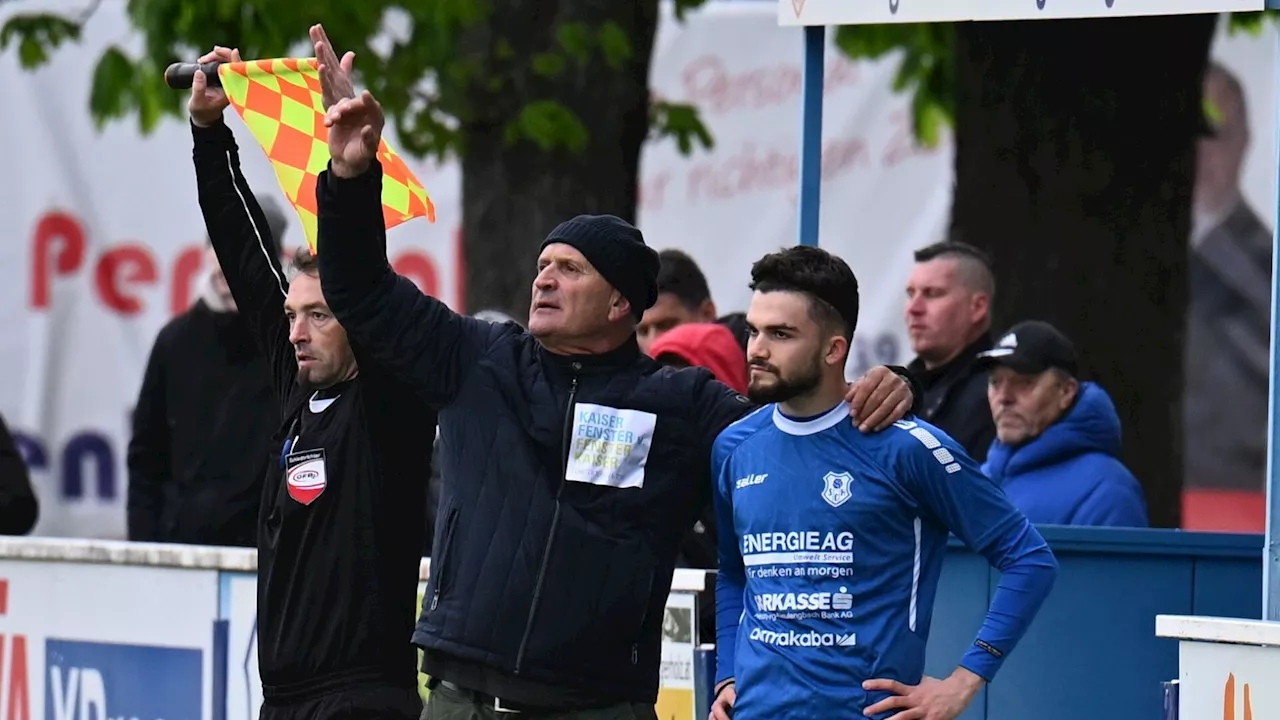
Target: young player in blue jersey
(832, 540)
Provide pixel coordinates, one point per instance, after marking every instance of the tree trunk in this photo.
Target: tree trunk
(1075, 161)
(513, 194)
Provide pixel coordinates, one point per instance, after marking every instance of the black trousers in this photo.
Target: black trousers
(447, 702)
(357, 702)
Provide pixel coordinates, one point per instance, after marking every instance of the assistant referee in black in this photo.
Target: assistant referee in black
(343, 509)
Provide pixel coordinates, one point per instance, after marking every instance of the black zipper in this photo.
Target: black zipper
(635, 646)
(555, 519)
(446, 543)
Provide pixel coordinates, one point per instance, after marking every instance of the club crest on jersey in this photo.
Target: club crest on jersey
(305, 475)
(836, 490)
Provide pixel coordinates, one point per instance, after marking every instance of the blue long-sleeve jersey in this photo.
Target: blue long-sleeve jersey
(831, 543)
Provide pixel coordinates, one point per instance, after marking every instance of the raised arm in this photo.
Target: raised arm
(415, 337)
(237, 226)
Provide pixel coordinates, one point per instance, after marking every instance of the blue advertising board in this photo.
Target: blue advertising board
(98, 681)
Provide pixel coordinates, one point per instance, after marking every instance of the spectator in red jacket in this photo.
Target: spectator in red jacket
(714, 347)
(709, 345)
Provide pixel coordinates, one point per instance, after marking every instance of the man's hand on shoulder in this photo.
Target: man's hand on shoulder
(932, 699)
(879, 399)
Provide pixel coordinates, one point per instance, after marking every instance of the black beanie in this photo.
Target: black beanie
(617, 250)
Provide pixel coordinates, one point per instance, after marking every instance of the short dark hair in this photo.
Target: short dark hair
(679, 275)
(827, 280)
(304, 262)
(976, 264)
(952, 247)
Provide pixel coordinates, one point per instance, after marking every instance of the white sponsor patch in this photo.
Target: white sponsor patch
(609, 446)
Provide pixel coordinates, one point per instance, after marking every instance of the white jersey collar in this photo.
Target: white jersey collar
(825, 421)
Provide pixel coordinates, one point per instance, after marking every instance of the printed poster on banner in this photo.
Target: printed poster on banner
(871, 12)
(676, 690)
(141, 648)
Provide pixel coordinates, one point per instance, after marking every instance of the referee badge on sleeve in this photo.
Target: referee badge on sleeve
(304, 475)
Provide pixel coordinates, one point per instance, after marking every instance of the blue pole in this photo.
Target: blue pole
(1271, 556)
(811, 133)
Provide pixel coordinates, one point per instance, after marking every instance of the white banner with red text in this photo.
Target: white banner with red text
(102, 233)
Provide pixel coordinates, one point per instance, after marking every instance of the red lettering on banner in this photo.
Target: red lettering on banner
(185, 271)
(751, 170)
(419, 268)
(653, 191)
(903, 145)
(19, 690)
(57, 247)
(711, 86)
(119, 268)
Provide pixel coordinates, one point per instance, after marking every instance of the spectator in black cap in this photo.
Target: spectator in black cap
(1057, 447)
(203, 422)
(572, 464)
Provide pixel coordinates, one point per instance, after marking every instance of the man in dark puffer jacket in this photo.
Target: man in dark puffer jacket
(573, 464)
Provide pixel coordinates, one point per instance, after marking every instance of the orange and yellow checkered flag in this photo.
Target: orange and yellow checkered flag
(281, 102)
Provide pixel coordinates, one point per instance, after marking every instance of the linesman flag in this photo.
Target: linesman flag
(281, 102)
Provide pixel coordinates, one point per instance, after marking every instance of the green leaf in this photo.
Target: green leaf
(549, 125)
(614, 44)
(37, 34)
(547, 65)
(684, 6)
(575, 39)
(502, 49)
(680, 122)
(1251, 22)
(925, 71)
(1212, 111)
(111, 94)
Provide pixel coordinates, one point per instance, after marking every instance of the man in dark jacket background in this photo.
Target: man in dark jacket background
(19, 508)
(949, 296)
(203, 422)
(573, 464)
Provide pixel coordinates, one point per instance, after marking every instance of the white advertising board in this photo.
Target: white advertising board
(238, 605)
(872, 12)
(1227, 667)
(91, 642)
(1232, 682)
(676, 698)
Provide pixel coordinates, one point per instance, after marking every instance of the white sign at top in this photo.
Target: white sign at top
(872, 12)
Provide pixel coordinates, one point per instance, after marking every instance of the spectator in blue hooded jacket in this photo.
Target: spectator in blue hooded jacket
(1057, 446)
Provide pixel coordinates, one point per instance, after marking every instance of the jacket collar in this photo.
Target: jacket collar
(624, 355)
(959, 366)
